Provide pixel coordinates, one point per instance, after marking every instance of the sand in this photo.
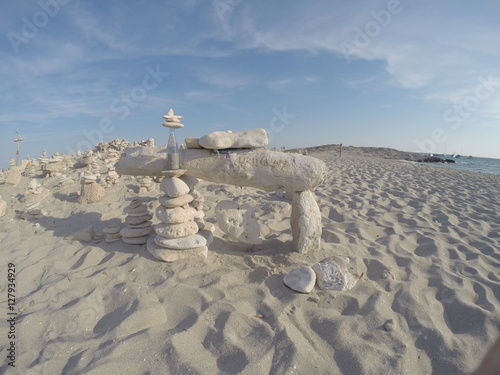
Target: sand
(426, 239)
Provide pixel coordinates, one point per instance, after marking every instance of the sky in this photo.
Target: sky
(414, 75)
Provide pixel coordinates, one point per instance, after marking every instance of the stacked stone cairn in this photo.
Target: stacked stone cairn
(178, 236)
(139, 225)
(112, 178)
(91, 191)
(112, 233)
(146, 184)
(32, 199)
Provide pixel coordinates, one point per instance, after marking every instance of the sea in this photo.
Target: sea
(471, 163)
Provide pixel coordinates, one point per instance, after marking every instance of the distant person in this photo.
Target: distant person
(491, 363)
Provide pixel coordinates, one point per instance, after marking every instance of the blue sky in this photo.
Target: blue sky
(413, 75)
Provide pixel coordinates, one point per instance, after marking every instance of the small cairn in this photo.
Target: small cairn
(178, 236)
(65, 181)
(32, 198)
(112, 233)
(112, 178)
(91, 191)
(139, 225)
(146, 184)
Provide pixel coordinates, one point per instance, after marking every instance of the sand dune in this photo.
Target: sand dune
(426, 239)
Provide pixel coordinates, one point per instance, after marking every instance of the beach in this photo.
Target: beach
(425, 242)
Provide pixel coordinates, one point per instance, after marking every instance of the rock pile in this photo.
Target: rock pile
(91, 191)
(139, 225)
(112, 233)
(178, 236)
(65, 181)
(13, 176)
(146, 184)
(32, 199)
(112, 178)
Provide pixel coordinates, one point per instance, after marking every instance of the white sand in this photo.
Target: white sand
(426, 239)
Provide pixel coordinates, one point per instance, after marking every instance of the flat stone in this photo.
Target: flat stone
(175, 202)
(168, 255)
(84, 235)
(135, 240)
(112, 237)
(182, 243)
(306, 222)
(137, 209)
(192, 142)
(141, 225)
(220, 140)
(134, 203)
(111, 229)
(136, 232)
(176, 230)
(140, 213)
(332, 276)
(175, 215)
(301, 279)
(238, 221)
(134, 220)
(174, 187)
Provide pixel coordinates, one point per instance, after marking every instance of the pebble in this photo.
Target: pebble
(174, 187)
(301, 279)
(175, 202)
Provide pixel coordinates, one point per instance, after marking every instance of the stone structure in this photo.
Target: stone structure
(112, 233)
(139, 225)
(91, 191)
(3, 207)
(178, 235)
(146, 184)
(112, 178)
(13, 176)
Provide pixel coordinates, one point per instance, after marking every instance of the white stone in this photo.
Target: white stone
(182, 243)
(168, 255)
(192, 142)
(174, 187)
(176, 230)
(190, 181)
(220, 140)
(175, 202)
(175, 215)
(134, 220)
(13, 176)
(306, 222)
(330, 275)
(135, 240)
(301, 279)
(238, 221)
(3, 207)
(112, 237)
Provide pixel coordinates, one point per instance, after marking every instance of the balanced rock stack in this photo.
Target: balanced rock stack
(32, 198)
(65, 181)
(112, 157)
(139, 225)
(112, 233)
(112, 178)
(178, 236)
(91, 191)
(146, 184)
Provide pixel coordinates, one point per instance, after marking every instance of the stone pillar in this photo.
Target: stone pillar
(306, 222)
(178, 235)
(139, 225)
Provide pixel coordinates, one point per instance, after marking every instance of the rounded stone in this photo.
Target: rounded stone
(174, 187)
(175, 202)
(135, 209)
(136, 232)
(138, 219)
(301, 279)
(135, 240)
(176, 230)
(220, 140)
(169, 255)
(182, 243)
(175, 215)
(111, 229)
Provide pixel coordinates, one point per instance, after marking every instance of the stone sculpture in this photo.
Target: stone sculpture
(139, 224)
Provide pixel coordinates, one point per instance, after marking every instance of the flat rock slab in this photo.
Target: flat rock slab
(182, 243)
(332, 276)
(306, 222)
(220, 140)
(168, 255)
(301, 279)
(259, 168)
(176, 230)
(238, 221)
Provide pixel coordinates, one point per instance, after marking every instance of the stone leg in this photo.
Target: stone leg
(305, 222)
